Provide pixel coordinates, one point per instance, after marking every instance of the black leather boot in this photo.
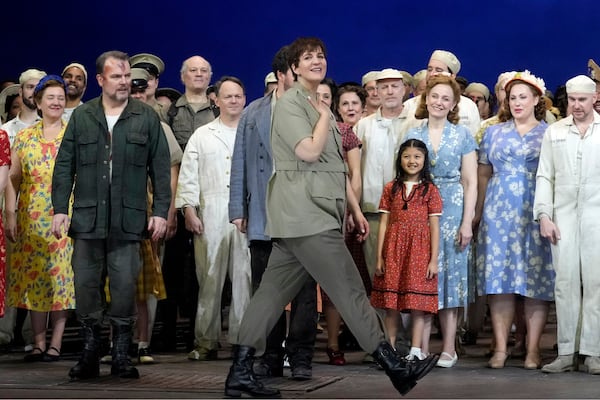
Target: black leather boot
(404, 374)
(121, 364)
(88, 365)
(270, 365)
(241, 378)
(301, 364)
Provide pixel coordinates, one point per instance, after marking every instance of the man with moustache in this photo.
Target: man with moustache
(28, 115)
(567, 205)
(251, 168)
(75, 77)
(112, 144)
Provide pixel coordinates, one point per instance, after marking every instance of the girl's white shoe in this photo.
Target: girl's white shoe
(447, 361)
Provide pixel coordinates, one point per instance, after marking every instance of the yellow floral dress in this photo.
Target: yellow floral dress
(41, 277)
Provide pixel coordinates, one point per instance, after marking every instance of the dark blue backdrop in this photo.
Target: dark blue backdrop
(552, 38)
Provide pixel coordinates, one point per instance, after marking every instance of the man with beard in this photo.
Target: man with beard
(75, 77)
(28, 115)
(111, 144)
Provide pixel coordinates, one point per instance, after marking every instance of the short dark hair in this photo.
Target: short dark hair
(302, 45)
(351, 87)
(280, 61)
(101, 60)
(230, 79)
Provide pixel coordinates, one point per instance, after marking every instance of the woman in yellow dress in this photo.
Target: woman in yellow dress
(41, 277)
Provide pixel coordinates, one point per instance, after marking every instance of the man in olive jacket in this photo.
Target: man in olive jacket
(111, 146)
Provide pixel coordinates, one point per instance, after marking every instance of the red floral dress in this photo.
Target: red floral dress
(4, 161)
(407, 250)
(351, 141)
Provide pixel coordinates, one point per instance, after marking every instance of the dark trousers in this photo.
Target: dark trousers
(179, 274)
(303, 317)
(325, 258)
(95, 259)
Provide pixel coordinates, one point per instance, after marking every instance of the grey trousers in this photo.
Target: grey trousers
(95, 259)
(326, 258)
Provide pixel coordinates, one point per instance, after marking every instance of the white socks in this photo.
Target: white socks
(415, 352)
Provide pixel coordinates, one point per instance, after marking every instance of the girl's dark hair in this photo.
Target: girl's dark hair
(424, 176)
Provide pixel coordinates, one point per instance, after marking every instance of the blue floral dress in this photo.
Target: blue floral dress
(453, 274)
(512, 257)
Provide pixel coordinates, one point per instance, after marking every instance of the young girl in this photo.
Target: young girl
(407, 245)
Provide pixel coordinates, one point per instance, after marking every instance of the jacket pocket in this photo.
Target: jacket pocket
(88, 148)
(134, 215)
(136, 148)
(84, 215)
(328, 200)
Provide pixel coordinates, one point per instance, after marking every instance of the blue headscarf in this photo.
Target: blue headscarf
(42, 83)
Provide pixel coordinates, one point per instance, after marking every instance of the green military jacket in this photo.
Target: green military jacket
(303, 198)
(114, 206)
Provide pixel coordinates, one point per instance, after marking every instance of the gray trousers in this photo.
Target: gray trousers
(95, 259)
(326, 258)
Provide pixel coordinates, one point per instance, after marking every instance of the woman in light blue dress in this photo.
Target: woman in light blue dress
(452, 153)
(512, 259)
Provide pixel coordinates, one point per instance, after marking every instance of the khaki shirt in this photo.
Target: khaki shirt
(175, 151)
(303, 198)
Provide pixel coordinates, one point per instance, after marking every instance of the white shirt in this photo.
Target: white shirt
(15, 125)
(69, 111)
(568, 176)
(381, 139)
(206, 166)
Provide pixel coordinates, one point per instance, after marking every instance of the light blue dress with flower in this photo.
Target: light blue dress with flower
(453, 266)
(512, 257)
